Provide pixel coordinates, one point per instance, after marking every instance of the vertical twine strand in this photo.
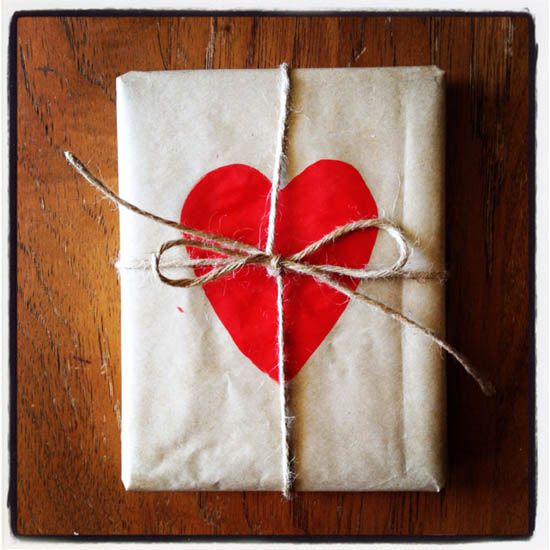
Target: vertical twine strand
(280, 158)
(286, 460)
(278, 174)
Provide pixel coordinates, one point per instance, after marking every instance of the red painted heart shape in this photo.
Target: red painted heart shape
(233, 201)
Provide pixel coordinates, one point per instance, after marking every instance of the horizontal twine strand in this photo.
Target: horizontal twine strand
(181, 263)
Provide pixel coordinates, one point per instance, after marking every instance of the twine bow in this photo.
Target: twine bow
(237, 254)
(242, 254)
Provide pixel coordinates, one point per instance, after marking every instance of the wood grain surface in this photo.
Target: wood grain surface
(67, 360)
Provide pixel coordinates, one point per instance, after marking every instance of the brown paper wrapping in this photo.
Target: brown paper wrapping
(369, 405)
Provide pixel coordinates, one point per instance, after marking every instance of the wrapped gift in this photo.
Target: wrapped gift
(201, 388)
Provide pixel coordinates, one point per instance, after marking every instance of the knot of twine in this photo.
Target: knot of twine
(275, 265)
(236, 254)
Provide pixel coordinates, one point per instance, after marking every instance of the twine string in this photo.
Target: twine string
(235, 254)
(275, 270)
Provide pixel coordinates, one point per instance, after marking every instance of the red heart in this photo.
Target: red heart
(233, 201)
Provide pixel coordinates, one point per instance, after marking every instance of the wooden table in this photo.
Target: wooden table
(66, 348)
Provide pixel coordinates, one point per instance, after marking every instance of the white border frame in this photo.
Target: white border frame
(539, 11)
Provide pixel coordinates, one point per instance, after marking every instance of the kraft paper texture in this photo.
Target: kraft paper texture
(369, 405)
